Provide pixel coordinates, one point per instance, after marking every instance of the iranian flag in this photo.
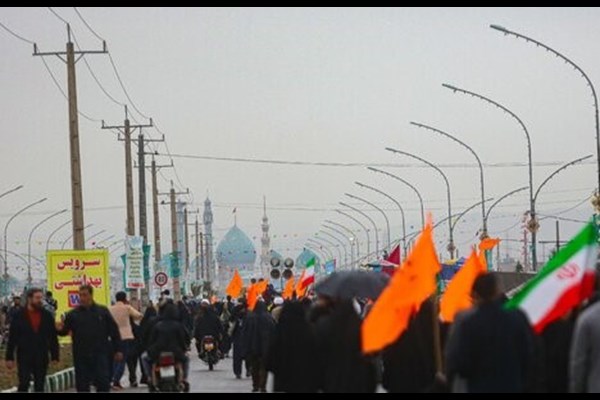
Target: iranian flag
(565, 282)
(308, 275)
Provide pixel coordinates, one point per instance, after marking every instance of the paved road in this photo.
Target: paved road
(221, 380)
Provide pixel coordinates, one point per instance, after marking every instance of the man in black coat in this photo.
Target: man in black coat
(258, 331)
(95, 334)
(33, 335)
(494, 347)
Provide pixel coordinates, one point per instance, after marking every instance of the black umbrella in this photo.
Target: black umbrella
(349, 284)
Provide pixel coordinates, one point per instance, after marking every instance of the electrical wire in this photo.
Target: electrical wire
(13, 33)
(87, 25)
(58, 16)
(360, 164)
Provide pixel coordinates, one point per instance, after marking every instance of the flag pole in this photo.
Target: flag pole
(437, 343)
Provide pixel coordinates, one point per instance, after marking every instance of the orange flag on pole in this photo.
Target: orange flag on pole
(235, 285)
(485, 245)
(488, 243)
(251, 296)
(288, 291)
(261, 286)
(458, 292)
(409, 287)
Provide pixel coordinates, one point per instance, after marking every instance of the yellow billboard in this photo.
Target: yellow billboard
(69, 269)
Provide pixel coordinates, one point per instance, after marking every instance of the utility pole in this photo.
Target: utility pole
(155, 210)
(126, 130)
(68, 57)
(197, 252)
(203, 274)
(186, 213)
(174, 241)
(142, 207)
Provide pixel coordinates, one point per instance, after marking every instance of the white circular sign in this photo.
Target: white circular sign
(161, 279)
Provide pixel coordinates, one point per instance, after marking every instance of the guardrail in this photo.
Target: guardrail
(57, 382)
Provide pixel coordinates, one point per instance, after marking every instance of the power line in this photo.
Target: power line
(58, 16)
(87, 25)
(361, 164)
(16, 34)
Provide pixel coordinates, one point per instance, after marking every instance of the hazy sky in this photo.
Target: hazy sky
(302, 84)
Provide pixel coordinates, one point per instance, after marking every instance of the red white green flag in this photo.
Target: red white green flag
(562, 284)
(308, 275)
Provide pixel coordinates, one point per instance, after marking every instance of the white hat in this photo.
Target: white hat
(205, 301)
(278, 300)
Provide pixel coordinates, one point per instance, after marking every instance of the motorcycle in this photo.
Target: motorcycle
(208, 351)
(167, 375)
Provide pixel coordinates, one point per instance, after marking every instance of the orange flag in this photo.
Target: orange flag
(488, 243)
(235, 285)
(288, 290)
(261, 286)
(484, 245)
(252, 296)
(458, 292)
(300, 290)
(409, 287)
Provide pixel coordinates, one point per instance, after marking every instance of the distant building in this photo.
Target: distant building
(265, 241)
(236, 251)
(208, 241)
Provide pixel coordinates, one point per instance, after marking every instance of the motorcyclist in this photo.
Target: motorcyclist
(168, 335)
(207, 324)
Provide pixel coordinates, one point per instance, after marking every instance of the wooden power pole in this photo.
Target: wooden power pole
(70, 59)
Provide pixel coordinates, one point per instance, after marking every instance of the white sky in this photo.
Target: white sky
(302, 84)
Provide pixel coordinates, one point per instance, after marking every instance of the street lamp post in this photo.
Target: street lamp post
(578, 69)
(54, 232)
(331, 244)
(320, 246)
(350, 240)
(450, 247)
(462, 214)
(29, 241)
(387, 221)
(361, 225)
(370, 220)
(104, 240)
(22, 210)
(319, 252)
(64, 243)
(414, 189)
(484, 233)
(533, 222)
(338, 240)
(494, 204)
(353, 237)
(397, 203)
(535, 227)
(95, 235)
(11, 191)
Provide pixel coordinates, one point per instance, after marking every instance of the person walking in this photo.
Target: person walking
(339, 362)
(123, 313)
(494, 350)
(584, 366)
(236, 332)
(33, 337)
(95, 334)
(292, 351)
(258, 331)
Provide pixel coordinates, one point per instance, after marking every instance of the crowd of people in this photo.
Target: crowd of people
(312, 344)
